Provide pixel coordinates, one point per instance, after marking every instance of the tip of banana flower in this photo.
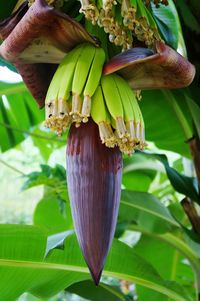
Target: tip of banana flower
(96, 275)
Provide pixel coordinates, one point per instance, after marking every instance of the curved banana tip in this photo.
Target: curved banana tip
(96, 275)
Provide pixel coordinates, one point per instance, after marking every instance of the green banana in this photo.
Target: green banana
(51, 97)
(57, 108)
(138, 121)
(52, 105)
(92, 81)
(65, 86)
(99, 114)
(113, 102)
(80, 77)
(128, 146)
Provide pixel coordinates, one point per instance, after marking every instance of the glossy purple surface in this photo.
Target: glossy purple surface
(94, 183)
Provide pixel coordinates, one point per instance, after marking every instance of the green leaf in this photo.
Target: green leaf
(48, 144)
(168, 22)
(18, 113)
(87, 290)
(138, 173)
(56, 241)
(12, 88)
(23, 267)
(195, 112)
(7, 64)
(157, 113)
(169, 264)
(50, 176)
(52, 214)
(188, 18)
(146, 211)
(188, 186)
(6, 10)
(193, 240)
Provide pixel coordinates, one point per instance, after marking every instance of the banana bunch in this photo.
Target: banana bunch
(116, 111)
(74, 83)
(78, 90)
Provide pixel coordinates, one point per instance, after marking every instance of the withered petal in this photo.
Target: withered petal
(165, 68)
(94, 174)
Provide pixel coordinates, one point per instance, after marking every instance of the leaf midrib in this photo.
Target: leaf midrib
(150, 212)
(55, 266)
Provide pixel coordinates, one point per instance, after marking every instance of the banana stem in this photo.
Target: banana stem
(179, 114)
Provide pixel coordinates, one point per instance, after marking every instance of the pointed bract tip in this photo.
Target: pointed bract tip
(96, 275)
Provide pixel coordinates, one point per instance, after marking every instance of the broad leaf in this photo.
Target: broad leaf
(168, 22)
(23, 267)
(169, 264)
(188, 186)
(5, 63)
(18, 113)
(53, 211)
(54, 177)
(188, 17)
(146, 211)
(138, 172)
(87, 290)
(195, 112)
(56, 241)
(162, 126)
(53, 214)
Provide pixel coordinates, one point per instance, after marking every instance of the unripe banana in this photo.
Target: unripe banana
(113, 102)
(128, 146)
(52, 106)
(65, 86)
(100, 115)
(138, 121)
(57, 108)
(92, 81)
(80, 77)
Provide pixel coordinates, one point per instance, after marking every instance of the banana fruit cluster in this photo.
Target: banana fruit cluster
(78, 91)
(74, 83)
(123, 20)
(116, 111)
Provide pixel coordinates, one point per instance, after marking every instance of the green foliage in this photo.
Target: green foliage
(186, 185)
(168, 23)
(146, 211)
(6, 10)
(18, 113)
(161, 122)
(87, 290)
(22, 253)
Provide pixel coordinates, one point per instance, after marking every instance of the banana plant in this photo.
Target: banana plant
(84, 93)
